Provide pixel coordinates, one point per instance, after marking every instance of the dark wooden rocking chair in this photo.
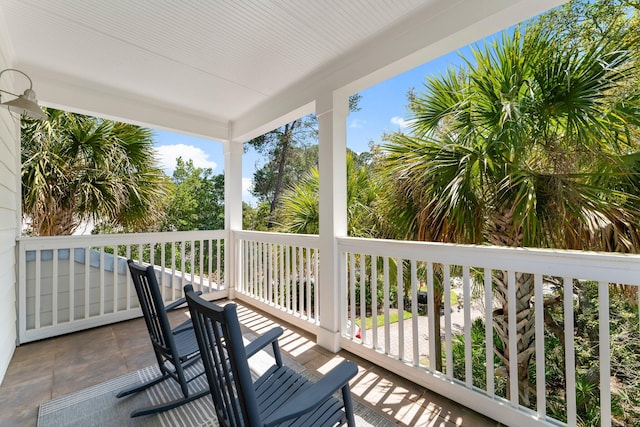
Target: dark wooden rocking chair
(280, 396)
(175, 349)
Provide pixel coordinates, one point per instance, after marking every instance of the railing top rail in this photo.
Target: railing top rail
(58, 242)
(302, 240)
(601, 266)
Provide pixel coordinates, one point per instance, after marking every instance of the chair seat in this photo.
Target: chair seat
(280, 384)
(280, 396)
(186, 344)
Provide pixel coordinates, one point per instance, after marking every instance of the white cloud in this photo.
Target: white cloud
(247, 184)
(399, 121)
(168, 154)
(357, 123)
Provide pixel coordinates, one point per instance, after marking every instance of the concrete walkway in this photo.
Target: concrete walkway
(404, 340)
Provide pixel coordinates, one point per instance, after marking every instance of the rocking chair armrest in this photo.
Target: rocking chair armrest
(315, 395)
(177, 303)
(269, 337)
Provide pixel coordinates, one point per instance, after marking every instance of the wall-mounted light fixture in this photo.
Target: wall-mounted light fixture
(25, 104)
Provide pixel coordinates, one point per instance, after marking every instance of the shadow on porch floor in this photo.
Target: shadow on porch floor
(47, 369)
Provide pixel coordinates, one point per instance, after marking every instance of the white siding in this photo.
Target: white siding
(9, 205)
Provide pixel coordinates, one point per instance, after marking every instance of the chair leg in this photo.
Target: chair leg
(182, 380)
(184, 384)
(168, 405)
(142, 386)
(348, 406)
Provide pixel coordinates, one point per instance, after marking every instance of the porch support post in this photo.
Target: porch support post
(332, 111)
(232, 212)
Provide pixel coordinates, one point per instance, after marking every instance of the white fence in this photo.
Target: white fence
(72, 283)
(279, 272)
(66, 284)
(394, 280)
(414, 271)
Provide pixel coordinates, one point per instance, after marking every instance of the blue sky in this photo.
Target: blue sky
(382, 109)
(383, 106)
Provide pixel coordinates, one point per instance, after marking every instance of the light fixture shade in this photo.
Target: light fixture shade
(27, 105)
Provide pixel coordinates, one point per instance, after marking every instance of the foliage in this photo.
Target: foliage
(478, 358)
(300, 205)
(300, 213)
(512, 138)
(368, 294)
(196, 199)
(77, 168)
(178, 256)
(625, 360)
(583, 22)
(528, 144)
(291, 151)
(255, 218)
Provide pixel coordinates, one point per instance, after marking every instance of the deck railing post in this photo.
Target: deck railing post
(232, 213)
(332, 110)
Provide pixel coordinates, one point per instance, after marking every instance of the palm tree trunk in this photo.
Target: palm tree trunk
(437, 304)
(502, 233)
(438, 293)
(54, 221)
(524, 329)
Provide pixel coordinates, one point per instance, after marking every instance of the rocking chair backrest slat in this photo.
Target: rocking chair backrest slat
(225, 363)
(145, 282)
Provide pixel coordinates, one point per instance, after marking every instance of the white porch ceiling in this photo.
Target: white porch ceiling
(200, 66)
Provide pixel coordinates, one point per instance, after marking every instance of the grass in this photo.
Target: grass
(454, 299)
(393, 318)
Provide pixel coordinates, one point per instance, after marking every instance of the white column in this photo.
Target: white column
(232, 211)
(332, 111)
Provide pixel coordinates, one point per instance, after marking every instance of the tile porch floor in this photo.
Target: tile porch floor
(47, 369)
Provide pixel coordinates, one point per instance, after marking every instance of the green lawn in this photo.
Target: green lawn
(393, 318)
(454, 299)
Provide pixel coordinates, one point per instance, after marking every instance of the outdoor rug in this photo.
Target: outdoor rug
(98, 405)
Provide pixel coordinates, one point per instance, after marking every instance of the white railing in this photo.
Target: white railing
(401, 276)
(66, 284)
(278, 273)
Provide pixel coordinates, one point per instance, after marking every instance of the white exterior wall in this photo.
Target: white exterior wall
(9, 213)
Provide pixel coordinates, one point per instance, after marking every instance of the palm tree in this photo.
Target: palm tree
(300, 213)
(300, 201)
(76, 168)
(528, 144)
